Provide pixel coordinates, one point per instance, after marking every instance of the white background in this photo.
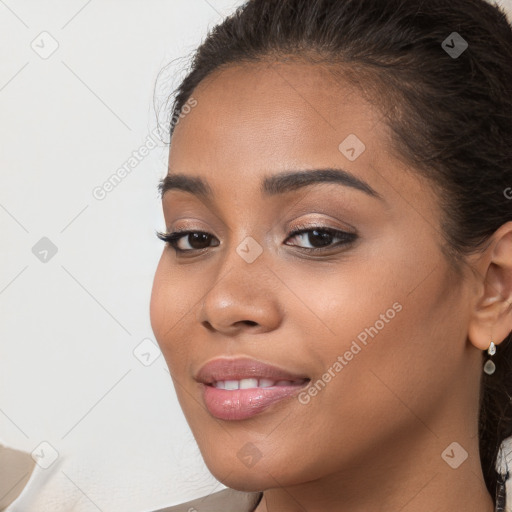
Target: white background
(69, 326)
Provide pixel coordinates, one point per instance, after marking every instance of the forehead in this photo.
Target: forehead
(263, 111)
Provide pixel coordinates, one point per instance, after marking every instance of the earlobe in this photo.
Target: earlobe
(491, 317)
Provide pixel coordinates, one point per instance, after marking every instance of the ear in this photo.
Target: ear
(491, 314)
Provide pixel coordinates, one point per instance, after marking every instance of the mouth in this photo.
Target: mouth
(240, 388)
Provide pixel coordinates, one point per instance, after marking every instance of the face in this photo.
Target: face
(362, 302)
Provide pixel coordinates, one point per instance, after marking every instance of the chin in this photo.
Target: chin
(255, 478)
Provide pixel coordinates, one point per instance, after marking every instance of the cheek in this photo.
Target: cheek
(165, 310)
(175, 299)
(400, 338)
(157, 305)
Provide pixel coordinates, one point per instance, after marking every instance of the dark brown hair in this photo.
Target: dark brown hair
(450, 115)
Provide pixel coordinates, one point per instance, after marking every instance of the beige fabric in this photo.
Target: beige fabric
(227, 500)
(15, 470)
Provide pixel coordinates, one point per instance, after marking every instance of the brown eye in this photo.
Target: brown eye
(320, 238)
(197, 240)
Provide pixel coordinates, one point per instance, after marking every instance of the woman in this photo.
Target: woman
(334, 301)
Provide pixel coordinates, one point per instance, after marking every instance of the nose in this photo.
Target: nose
(244, 297)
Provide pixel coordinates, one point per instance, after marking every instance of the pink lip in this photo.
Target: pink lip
(242, 368)
(239, 404)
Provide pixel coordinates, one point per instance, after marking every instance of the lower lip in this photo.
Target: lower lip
(240, 404)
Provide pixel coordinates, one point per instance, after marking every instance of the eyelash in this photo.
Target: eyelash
(173, 238)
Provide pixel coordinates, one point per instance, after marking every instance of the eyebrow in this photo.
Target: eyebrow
(271, 185)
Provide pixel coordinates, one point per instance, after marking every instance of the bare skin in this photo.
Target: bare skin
(372, 439)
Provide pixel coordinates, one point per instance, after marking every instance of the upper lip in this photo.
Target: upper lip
(223, 369)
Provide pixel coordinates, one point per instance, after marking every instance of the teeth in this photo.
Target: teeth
(250, 383)
(231, 384)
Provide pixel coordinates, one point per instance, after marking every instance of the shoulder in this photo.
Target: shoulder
(227, 500)
(16, 468)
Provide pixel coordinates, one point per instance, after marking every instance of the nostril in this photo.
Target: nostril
(208, 325)
(212, 328)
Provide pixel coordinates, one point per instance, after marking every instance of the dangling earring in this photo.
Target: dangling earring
(489, 366)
